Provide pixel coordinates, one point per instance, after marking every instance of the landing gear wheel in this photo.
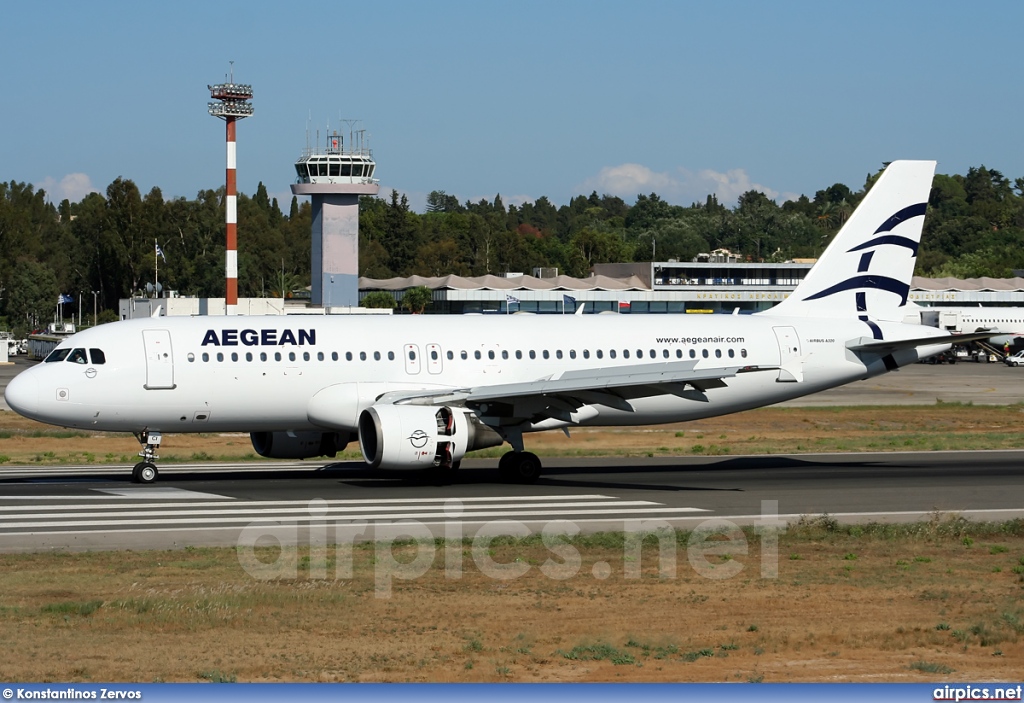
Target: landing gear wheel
(519, 467)
(144, 472)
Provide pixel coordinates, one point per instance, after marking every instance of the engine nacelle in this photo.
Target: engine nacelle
(298, 445)
(420, 436)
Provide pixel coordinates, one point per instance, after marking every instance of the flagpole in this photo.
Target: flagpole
(156, 268)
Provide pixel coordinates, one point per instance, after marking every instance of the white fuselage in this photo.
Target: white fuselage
(249, 374)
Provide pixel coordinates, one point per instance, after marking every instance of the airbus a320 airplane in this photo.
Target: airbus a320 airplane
(419, 392)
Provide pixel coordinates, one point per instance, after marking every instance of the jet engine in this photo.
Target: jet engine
(420, 436)
(298, 445)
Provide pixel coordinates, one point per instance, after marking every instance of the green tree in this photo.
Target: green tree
(416, 299)
(379, 299)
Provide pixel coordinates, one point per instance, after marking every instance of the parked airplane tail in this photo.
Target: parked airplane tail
(866, 271)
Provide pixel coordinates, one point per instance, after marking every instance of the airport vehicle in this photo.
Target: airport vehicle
(1015, 359)
(418, 392)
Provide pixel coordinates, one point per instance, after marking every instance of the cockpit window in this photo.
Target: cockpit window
(57, 355)
(78, 356)
(97, 356)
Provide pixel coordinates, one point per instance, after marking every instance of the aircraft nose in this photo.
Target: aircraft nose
(22, 394)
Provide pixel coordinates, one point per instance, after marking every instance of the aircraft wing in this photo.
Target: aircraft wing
(560, 395)
(881, 346)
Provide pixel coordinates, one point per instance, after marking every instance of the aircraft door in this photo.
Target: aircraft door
(159, 359)
(434, 358)
(791, 363)
(412, 359)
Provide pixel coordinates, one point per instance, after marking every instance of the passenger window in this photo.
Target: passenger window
(263, 356)
(639, 353)
(693, 353)
(220, 356)
(98, 357)
(600, 354)
(362, 356)
(433, 355)
(391, 356)
(664, 353)
(450, 355)
(248, 356)
(191, 357)
(277, 356)
(206, 357)
(558, 354)
(533, 354)
(412, 355)
(654, 354)
(718, 353)
(348, 356)
(464, 355)
(731, 353)
(58, 355)
(546, 354)
(291, 356)
(305, 356)
(234, 356)
(78, 357)
(704, 353)
(611, 353)
(334, 356)
(504, 353)
(319, 356)
(490, 354)
(625, 353)
(519, 353)
(586, 353)
(476, 354)
(743, 353)
(679, 353)
(376, 355)
(572, 353)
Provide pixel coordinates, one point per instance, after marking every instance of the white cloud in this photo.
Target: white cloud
(72, 187)
(681, 187)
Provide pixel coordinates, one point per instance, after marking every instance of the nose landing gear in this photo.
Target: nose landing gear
(145, 471)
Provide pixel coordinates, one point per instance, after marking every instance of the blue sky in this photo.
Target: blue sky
(524, 98)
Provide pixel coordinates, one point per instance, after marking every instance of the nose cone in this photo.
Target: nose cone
(22, 394)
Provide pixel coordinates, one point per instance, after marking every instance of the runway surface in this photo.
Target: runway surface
(95, 507)
(210, 505)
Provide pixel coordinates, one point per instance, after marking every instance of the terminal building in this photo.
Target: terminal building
(700, 287)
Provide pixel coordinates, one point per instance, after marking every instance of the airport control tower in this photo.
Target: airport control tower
(335, 177)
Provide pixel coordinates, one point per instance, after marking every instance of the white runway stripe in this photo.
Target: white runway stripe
(243, 518)
(303, 512)
(359, 501)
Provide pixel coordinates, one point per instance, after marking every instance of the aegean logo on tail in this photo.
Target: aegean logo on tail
(867, 280)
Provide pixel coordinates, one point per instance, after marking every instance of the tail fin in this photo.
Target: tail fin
(865, 272)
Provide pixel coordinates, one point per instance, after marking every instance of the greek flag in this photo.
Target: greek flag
(511, 298)
(568, 300)
(160, 253)
(61, 299)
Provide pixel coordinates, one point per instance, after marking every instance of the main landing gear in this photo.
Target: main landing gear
(519, 467)
(145, 471)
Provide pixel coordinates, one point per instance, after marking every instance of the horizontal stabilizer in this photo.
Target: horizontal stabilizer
(875, 346)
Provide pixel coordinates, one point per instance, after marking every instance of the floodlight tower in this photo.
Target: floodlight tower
(335, 177)
(232, 106)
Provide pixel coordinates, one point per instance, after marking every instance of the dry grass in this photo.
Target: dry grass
(763, 431)
(894, 603)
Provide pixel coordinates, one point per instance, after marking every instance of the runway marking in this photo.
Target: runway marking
(232, 510)
(160, 492)
(249, 518)
(353, 501)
